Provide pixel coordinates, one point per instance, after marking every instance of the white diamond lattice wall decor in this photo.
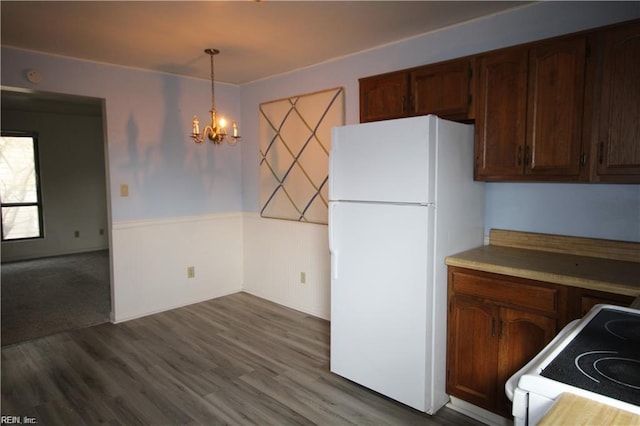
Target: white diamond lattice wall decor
(295, 139)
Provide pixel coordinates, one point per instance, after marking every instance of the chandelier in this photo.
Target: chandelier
(216, 131)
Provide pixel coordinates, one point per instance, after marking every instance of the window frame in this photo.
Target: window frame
(38, 203)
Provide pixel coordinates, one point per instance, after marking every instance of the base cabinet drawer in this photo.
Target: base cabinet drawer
(528, 294)
(582, 300)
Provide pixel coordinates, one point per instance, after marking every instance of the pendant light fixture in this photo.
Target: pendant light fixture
(216, 132)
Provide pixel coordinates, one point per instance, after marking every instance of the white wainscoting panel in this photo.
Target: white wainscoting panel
(150, 260)
(276, 252)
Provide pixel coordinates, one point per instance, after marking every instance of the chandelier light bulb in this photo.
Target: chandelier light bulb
(196, 125)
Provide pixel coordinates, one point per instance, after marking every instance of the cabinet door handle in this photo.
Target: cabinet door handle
(527, 156)
(501, 328)
(519, 155)
(493, 327)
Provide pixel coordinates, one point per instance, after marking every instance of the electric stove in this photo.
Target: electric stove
(597, 357)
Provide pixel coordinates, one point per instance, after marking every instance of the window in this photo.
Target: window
(20, 187)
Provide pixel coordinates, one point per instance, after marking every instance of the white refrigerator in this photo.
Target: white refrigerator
(401, 199)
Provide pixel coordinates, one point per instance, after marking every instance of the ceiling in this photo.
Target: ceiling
(256, 39)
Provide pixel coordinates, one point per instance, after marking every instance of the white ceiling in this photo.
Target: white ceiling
(257, 39)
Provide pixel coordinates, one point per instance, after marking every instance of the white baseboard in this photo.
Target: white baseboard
(168, 308)
(289, 304)
(477, 413)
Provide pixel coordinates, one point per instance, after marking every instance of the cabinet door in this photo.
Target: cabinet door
(618, 151)
(555, 104)
(442, 89)
(472, 351)
(383, 97)
(522, 335)
(501, 92)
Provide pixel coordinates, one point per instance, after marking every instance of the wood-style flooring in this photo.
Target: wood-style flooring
(235, 360)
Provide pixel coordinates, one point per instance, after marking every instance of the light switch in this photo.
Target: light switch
(124, 190)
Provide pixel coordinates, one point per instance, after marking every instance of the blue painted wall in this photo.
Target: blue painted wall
(147, 122)
(584, 210)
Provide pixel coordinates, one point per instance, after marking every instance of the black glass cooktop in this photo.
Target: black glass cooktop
(603, 358)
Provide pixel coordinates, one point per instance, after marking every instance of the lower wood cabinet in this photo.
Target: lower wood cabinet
(472, 350)
(495, 326)
(582, 300)
(497, 323)
(522, 335)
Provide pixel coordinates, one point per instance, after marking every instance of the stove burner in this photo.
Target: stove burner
(623, 371)
(592, 363)
(625, 329)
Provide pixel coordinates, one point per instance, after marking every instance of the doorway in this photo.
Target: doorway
(60, 281)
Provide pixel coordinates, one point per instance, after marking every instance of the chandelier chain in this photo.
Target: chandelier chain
(213, 90)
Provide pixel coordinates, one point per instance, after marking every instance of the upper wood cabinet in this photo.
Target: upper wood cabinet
(383, 97)
(501, 100)
(443, 89)
(566, 109)
(554, 108)
(614, 106)
(529, 111)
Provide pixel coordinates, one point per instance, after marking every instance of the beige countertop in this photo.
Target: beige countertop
(528, 259)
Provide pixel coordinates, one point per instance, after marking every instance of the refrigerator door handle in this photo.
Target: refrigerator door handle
(332, 245)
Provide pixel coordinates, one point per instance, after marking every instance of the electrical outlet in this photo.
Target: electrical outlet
(76, 234)
(101, 232)
(124, 190)
(191, 271)
(303, 277)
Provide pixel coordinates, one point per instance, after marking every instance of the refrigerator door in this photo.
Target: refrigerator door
(387, 161)
(379, 290)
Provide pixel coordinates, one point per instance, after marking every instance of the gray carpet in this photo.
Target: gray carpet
(46, 296)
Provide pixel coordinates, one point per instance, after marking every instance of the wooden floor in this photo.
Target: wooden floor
(236, 360)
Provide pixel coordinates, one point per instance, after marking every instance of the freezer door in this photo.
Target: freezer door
(379, 297)
(387, 161)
